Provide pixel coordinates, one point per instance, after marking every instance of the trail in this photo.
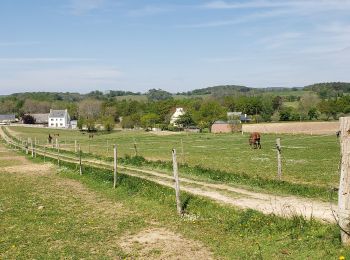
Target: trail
(285, 206)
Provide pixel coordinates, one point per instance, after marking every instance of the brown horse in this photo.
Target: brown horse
(254, 140)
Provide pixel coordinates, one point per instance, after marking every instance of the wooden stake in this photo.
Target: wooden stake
(279, 163)
(32, 147)
(44, 153)
(135, 147)
(344, 185)
(58, 154)
(182, 152)
(75, 146)
(80, 165)
(115, 166)
(177, 183)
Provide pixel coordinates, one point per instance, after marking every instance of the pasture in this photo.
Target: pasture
(48, 212)
(306, 159)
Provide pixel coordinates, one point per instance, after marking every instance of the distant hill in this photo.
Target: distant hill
(234, 89)
(216, 89)
(329, 89)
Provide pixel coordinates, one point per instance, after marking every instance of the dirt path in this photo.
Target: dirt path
(285, 206)
(95, 213)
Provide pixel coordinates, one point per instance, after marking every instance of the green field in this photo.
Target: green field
(310, 160)
(49, 213)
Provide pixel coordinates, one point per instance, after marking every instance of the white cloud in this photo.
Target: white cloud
(80, 7)
(60, 79)
(310, 5)
(149, 10)
(238, 20)
(13, 44)
(44, 60)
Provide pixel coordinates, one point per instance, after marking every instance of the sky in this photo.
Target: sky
(136, 45)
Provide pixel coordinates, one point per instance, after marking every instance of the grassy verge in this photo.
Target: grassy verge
(256, 182)
(229, 233)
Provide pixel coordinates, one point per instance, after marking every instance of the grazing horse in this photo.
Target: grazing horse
(254, 140)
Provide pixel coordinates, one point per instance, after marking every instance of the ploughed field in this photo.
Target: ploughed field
(312, 160)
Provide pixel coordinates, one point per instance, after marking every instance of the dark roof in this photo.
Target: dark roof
(41, 118)
(57, 113)
(9, 117)
(220, 122)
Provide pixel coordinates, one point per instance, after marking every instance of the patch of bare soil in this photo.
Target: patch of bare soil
(164, 133)
(285, 206)
(27, 168)
(159, 243)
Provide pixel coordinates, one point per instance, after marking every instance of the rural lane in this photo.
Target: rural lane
(284, 206)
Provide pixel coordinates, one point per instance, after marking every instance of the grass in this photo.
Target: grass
(69, 227)
(306, 159)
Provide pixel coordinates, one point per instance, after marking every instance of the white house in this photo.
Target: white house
(59, 118)
(179, 112)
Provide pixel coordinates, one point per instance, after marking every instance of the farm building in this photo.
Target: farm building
(41, 118)
(8, 118)
(245, 119)
(226, 127)
(74, 124)
(233, 115)
(59, 118)
(179, 112)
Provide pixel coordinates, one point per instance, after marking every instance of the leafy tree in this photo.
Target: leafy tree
(209, 112)
(185, 120)
(28, 119)
(277, 103)
(158, 94)
(149, 120)
(108, 123)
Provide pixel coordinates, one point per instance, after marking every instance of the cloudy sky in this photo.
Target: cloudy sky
(83, 45)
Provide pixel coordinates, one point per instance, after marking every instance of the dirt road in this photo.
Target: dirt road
(285, 206)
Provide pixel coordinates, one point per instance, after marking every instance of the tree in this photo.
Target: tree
(185, 120)
(307, 101)
(89, 111)
(149, 120)
(108, 123)
(209, 112)
(277, 103)
(28, 119)
(158, 94)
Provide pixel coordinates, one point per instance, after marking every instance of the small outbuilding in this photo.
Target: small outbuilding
(7, 118)
(41, 118)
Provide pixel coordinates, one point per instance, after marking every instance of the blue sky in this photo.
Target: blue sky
(83, 45)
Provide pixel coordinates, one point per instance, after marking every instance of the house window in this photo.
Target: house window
(61, 124)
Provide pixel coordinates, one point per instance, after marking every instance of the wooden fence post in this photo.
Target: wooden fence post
(80, 166)
(58, 154)
(279, 162)
(182, 152)
(344, 185)
(177, 183)
(44, 153)
(115, 166)
(32, 147)
(135, 147)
